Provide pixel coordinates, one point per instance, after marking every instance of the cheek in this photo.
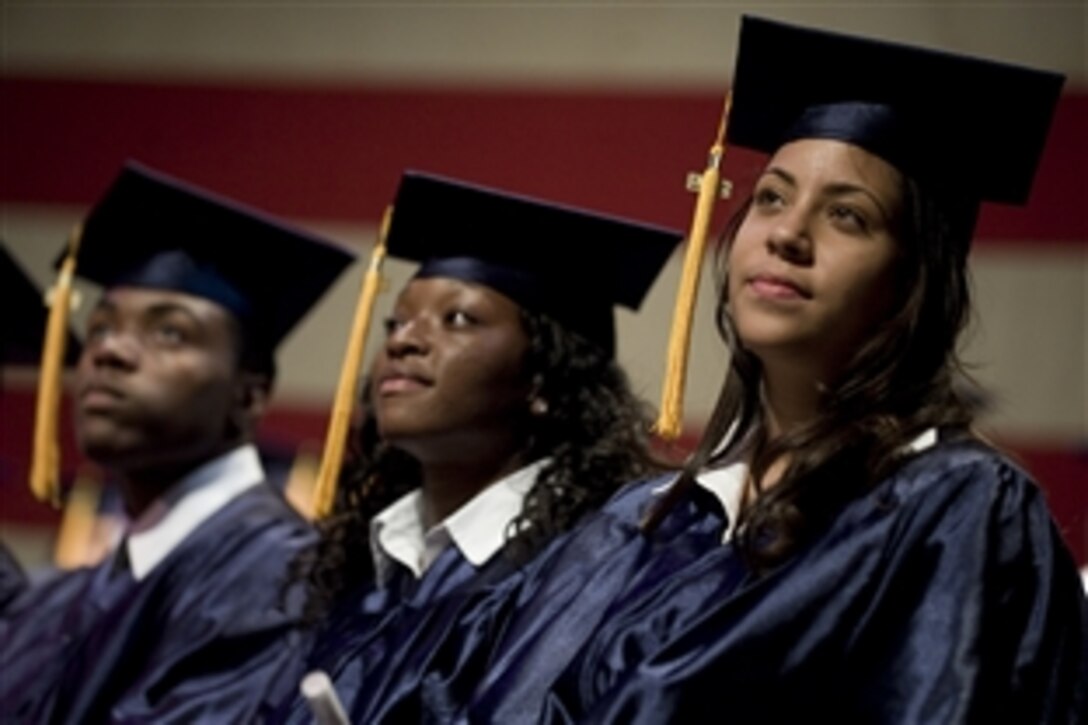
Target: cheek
(493, 373)
(733, 277)
(198, 392)
(744, 250)
(872, 293)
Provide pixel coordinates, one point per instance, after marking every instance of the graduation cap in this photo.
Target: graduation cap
(23, 333)
(969, 129)
(154, 231)
(571, 264)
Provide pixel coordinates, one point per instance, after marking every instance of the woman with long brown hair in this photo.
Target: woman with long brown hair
(882, 562)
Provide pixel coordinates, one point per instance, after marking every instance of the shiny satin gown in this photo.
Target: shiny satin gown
(13, 580)
(946, 595)
(200, 640)
(420, 659)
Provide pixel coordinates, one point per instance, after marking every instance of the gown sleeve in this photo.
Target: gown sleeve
(573, 589)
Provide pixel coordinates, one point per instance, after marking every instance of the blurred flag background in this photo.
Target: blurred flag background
(311, 111)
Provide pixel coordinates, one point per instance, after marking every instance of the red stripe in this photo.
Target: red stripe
(335, 153)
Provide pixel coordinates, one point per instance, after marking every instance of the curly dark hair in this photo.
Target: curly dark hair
(594, 434)
(901, 382)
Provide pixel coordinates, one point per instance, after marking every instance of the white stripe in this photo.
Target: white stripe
(1030, 345)
(589, 44)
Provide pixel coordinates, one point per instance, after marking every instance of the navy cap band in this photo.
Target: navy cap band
(177, 271)
(872, 126)
(592, 321)
(519, 286)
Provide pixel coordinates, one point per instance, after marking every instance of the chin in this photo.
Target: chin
(397, 426)
(113, 446)
(111, 453)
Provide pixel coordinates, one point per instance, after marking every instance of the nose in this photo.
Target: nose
(112, 349)
(790, 238)
(407, 338)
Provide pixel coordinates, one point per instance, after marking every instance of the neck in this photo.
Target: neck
(141, 486)
(791, 397)
(449, 485)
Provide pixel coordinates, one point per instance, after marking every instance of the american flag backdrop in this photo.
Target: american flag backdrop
(312, 110)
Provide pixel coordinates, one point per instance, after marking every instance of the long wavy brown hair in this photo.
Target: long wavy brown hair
(594, 434)
(904, 380)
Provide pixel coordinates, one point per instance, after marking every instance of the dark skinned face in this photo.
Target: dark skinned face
(450, 380)
(158, 384)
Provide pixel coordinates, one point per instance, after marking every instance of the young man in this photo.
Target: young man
(175, 373)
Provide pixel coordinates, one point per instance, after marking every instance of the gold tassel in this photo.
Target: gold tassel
(344, 402)
(299, 489)
(45, 461)
(76, 536)
(710, 187)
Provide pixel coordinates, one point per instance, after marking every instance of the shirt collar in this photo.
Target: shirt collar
(172, 517)
(727, 484)
(477, 528)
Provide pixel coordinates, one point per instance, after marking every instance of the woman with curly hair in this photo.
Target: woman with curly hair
(495, 419)
(881, 562)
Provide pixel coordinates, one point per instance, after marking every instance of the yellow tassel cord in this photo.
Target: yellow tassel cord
(302, 479)
(45, 461)
(76, 545)
(344, 403)
(671, 417)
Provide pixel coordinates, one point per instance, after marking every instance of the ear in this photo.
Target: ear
(252, 392)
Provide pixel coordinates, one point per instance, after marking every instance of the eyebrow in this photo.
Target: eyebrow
(154, 311)
(162, 309)
(104, 304)
(838, 188)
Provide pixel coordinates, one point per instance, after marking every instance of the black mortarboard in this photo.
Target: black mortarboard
(970, 129)
(24, 317)
(151, 230)
(570, 264)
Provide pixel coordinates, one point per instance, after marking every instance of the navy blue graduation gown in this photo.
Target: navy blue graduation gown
(376, 640)
(394, 652)
(12, 578)
(200, 639)
(497, 667)
(946, 595)
(422, 659)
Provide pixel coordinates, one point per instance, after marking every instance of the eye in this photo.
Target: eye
(96, 330)
(459, 318)
(767, 197)
(169, 334)
(391, 325)
(849, 217)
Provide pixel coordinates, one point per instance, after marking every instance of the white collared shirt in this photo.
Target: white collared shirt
(196, 497)
(727, 484)
(477, 528)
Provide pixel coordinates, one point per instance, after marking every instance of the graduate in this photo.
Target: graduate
(881, 562)
(176, 369)
(20, 345)
(496, 419)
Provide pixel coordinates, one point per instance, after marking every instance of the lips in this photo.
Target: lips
(98, 396)
(399, 380)
(778, 287)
